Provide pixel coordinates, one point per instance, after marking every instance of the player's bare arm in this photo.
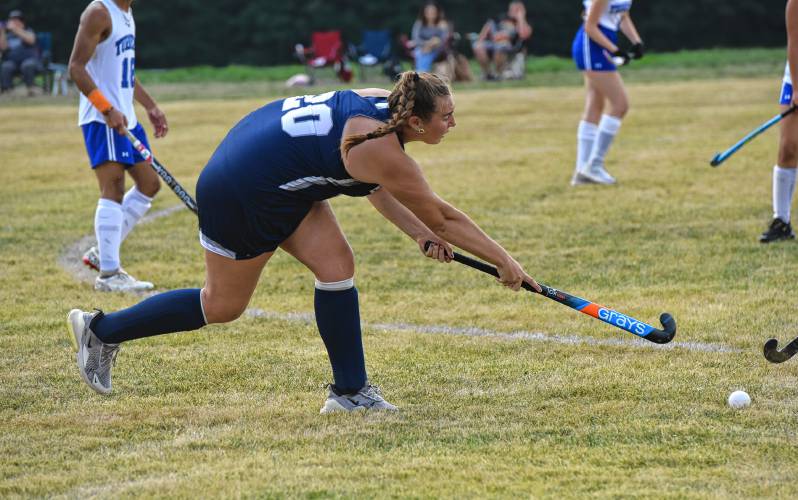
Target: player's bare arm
(630, 30)
(592, 26)
(390, 208)
(95, 26)
(382, 161)
(154, 113)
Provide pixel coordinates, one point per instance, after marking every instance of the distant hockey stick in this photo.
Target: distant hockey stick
(721, 157)
(170, 181)
(597, 311)
(774, 355)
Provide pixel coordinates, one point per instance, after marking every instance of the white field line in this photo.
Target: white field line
(516, 335)
(70, 260)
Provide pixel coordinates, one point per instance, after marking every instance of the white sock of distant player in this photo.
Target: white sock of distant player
(607, 130)
(134, 205)
(585, 137)
(783, 187)
(108, 228)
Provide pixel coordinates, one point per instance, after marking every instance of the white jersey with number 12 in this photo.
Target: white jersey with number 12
(113, 68)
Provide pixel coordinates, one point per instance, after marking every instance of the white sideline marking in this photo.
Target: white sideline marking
(70, 260)
(517, 335)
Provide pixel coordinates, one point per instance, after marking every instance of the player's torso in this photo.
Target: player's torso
(613, 14)
(292, 147)
(113, 65)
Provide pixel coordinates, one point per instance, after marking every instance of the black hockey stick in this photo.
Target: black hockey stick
(170, 181)
(597, 311)
(774, 355)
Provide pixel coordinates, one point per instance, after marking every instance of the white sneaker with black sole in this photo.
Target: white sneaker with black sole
(367, 398)
(94, 357)
(121, 282)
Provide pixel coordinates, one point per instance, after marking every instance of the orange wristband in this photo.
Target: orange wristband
(99, 101)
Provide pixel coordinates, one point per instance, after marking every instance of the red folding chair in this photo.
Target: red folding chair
(326, 50)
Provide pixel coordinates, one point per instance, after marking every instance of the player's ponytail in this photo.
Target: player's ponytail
(415, 94)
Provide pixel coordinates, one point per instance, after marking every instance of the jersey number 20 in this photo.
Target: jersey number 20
(307, 115)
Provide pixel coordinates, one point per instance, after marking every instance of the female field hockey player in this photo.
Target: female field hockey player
(266, 187)
(596, 53)
(784, 171)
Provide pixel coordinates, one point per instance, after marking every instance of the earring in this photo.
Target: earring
(420, 131)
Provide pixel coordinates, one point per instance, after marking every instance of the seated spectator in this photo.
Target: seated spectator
(20, 54)
(429, 36)
(500, 39)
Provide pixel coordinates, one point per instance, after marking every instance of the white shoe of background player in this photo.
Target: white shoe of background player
(91, 258)
(121, 282)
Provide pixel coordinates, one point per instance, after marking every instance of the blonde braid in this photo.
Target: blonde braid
(401, 101)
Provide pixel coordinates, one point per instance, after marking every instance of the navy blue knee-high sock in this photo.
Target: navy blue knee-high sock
(338, 319)
(175, 311)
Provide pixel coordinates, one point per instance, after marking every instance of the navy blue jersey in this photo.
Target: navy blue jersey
(291, 148)
(273, 165)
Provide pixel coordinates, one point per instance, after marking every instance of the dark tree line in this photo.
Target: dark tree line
(175, 33)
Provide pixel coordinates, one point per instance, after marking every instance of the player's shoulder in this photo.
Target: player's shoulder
(372, 92)
(96, 13)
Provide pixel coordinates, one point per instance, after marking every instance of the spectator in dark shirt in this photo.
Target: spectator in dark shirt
(20, 54)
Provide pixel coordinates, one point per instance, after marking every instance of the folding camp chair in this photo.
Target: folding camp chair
(326, 50)
(374, 49)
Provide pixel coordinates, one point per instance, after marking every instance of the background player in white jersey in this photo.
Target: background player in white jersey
(784, 171)
(596, 53)
(102, 65)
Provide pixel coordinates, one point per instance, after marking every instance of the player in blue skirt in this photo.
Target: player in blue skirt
(784, 171)
(596, 53)
(266, 187)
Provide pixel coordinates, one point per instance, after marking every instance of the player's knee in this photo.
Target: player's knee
(149, 187)
(788, 155)
(113, 189)
(620, 108)
(339, 265)
(218, 309)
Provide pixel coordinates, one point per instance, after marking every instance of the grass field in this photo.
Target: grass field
(232, 410)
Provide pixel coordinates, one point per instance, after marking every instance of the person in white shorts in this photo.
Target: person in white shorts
(103, 66)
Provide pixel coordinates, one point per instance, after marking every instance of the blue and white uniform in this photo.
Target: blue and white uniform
(273, 165)
(589, 55)
(785, 98)
(112, 67)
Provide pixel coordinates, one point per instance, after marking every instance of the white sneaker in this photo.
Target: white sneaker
(367, 398)
(95, 358)
(91, 258)
(578, 179)
(121, 282)
(597, 174)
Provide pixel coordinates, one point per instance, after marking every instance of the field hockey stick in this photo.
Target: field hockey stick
(774, 355)
(168, 178)
(597, 311)
(721, 157)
